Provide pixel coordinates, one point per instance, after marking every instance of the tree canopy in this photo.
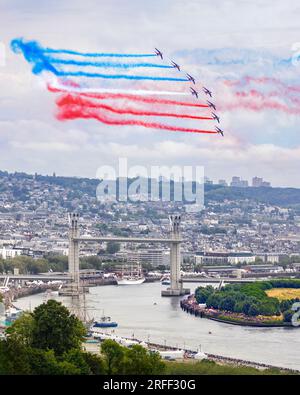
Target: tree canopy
(249, 299)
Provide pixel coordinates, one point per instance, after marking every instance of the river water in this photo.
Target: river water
(141, 312)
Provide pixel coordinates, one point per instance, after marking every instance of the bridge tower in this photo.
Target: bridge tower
(73, 258)
(176, 288)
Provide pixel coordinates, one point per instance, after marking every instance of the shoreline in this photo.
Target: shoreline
(197, 312)
(220, 359)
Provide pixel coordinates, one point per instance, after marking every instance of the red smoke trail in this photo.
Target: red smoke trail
(266, 103)
(264, 80)
(67, 100)
(256, 94)
(251, 103)
(73, 112)
(143, 99)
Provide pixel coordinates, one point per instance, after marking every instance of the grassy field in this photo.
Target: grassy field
(212, 368)
(284, 293)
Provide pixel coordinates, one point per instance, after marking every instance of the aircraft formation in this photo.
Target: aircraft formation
(194, 92)
(87, 88)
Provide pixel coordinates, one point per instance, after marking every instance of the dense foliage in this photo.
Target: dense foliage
(249, 299)
(55, 263)
(49, 341)
(29, 265)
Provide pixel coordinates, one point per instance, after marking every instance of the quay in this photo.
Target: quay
(189, 355)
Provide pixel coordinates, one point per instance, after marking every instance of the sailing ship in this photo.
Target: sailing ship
(132, 277)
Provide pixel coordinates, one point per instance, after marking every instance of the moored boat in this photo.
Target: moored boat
(104, 322)
(132, 277)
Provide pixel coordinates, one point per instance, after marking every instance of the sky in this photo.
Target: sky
(216, 41)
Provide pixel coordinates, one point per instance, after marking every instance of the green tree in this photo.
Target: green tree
(22, 329)
(112, 247)
(253, 310)
(95, 363)
(76, 358)
(227, 303)
(56, 329)
(114, 356)
(140, 361)
(43, 362)
(14, 358)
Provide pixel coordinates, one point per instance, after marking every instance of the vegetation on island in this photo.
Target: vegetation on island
(250, 300)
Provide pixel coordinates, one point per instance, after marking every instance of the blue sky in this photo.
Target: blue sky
(193, 33)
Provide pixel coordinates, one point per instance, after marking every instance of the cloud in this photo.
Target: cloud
(31, 139)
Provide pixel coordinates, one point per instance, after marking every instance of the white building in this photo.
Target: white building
(7, 253)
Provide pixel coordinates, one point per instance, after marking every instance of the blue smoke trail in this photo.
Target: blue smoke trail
(107, 64)
(116, 76)
(96, 54)
(33, 53)
(236, 57)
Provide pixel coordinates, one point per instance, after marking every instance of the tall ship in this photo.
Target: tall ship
(131, 276)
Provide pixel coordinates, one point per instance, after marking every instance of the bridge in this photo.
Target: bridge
(174, 240)
(211, 280)
(37, 277)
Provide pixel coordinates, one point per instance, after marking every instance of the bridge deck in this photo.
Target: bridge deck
(42, 277)
(127, 239)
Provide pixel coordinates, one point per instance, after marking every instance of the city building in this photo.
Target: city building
(211, 258)
(7, 253)
(238, 182)
(223, 258)
(153, 256)
(259, 182)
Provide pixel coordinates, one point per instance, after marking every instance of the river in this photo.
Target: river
(142, 312)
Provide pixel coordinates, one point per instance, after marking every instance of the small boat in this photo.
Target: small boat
(104, 322)
(165, 281)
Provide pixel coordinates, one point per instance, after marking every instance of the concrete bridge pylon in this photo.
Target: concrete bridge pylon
(176, 288)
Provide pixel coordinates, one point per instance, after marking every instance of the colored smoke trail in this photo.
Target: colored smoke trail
(115, 76)
(69, 100)
(133, 98)
(266, 103)
(87, 103)
(18, 44)
(74, 112)
(34, 54)
(264, 81)
(107, 64)
(53, 87)
(249, 103)
(97, 54)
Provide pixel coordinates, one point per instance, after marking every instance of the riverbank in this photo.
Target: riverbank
(191, 306)
(218, 359)
(17, 293)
